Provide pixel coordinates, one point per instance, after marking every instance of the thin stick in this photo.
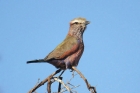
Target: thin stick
(44, 81)
(90, 88)
(49, 86)
(67, 87)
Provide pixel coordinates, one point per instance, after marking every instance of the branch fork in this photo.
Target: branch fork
(59, 79)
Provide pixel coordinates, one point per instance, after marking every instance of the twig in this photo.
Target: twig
(68, 83)
(90, 88)
(48, 79)
(44, 81)
(71, 88)
(60, 81)
(49, 86)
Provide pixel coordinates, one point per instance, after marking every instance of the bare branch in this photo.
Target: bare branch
(57, 79)
(49, 85)
(51, 77)
(90, 88)
(44, 81)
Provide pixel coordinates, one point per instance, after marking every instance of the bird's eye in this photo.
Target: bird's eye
(76, 22)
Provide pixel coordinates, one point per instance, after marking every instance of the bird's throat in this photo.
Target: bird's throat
(76, 32)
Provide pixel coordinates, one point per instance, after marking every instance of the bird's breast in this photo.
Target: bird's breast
(75, 57)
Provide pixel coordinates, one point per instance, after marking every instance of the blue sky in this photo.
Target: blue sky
(30, 29)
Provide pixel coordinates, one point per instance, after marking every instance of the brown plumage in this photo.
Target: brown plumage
(69, 52)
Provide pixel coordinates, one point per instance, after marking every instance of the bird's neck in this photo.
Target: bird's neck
(77, 32)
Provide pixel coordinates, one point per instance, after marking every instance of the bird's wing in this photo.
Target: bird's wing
(69, 46)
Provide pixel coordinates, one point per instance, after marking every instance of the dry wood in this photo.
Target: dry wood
(49, 78)
(44, 81)
(91, 88)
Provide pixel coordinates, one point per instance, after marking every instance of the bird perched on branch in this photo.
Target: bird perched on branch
(69, 52)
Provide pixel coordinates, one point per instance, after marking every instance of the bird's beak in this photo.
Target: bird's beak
(87, 22)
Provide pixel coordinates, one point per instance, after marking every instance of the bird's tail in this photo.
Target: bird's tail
(36, 61)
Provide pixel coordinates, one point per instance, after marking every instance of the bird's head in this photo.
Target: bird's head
(78, 26)
(79, 21)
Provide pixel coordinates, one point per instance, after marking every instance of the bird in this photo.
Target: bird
(68, 52)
